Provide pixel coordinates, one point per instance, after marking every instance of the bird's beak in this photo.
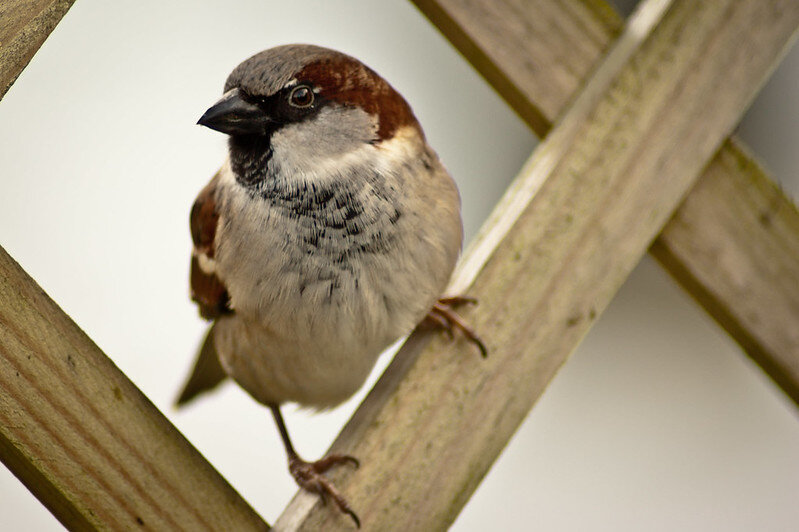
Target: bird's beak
(235, 116)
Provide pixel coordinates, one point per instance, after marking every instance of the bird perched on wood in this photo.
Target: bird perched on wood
(330, 231)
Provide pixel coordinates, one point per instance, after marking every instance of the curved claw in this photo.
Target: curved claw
(309, 476)
(445, 318)
(320, 466)
(455, 301)
(354, 517)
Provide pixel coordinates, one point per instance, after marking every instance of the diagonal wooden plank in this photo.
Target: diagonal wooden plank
(563, 239)
(734, 246)
(24, 25)
(73, 428)
(542, 52)
(85, 440)
(535, 53)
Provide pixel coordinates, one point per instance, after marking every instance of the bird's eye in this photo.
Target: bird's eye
(301, 96)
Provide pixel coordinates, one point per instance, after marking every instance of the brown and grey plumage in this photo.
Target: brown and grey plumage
(330, 231)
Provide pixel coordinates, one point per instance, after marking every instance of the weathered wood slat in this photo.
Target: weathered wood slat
(73, 428)
(536, 54)
(24, 25)
(576, 221)
(545, 50)
(85, 440)
(734, 245)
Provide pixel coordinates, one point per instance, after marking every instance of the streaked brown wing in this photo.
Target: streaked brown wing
(207, 290)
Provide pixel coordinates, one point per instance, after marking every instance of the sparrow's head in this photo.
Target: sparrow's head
(307, 103)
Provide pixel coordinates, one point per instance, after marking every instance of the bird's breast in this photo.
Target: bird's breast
(325, 275)
(319, 257)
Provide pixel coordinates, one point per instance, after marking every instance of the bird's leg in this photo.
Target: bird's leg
(443, 316)
(309, 475)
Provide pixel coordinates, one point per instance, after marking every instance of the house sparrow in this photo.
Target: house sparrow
(330, 232)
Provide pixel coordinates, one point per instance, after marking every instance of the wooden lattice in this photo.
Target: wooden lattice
(635, 156)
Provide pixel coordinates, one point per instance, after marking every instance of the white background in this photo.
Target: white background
(658, 421)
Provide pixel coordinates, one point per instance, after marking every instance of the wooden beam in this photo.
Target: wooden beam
(73, 428)
(24, 25)
(85, 440)
(536, 54)
(577, 220)
(734, 246)
(545, 50)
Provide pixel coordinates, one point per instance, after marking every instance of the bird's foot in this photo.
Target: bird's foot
(310, 477)
(443, 316)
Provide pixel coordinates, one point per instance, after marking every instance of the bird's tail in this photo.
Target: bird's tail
(206, 374)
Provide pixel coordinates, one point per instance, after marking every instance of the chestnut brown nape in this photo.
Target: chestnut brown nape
(347, 81)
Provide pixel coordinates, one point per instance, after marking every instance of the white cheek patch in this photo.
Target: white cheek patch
(300, 161)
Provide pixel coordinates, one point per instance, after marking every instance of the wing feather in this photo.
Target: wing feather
(207, 290)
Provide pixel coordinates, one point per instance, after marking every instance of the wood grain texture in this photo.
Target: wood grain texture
(577, 32)
(576, 221)
(534, 53)
(734, 245)
(24, 25)
(85, 440)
